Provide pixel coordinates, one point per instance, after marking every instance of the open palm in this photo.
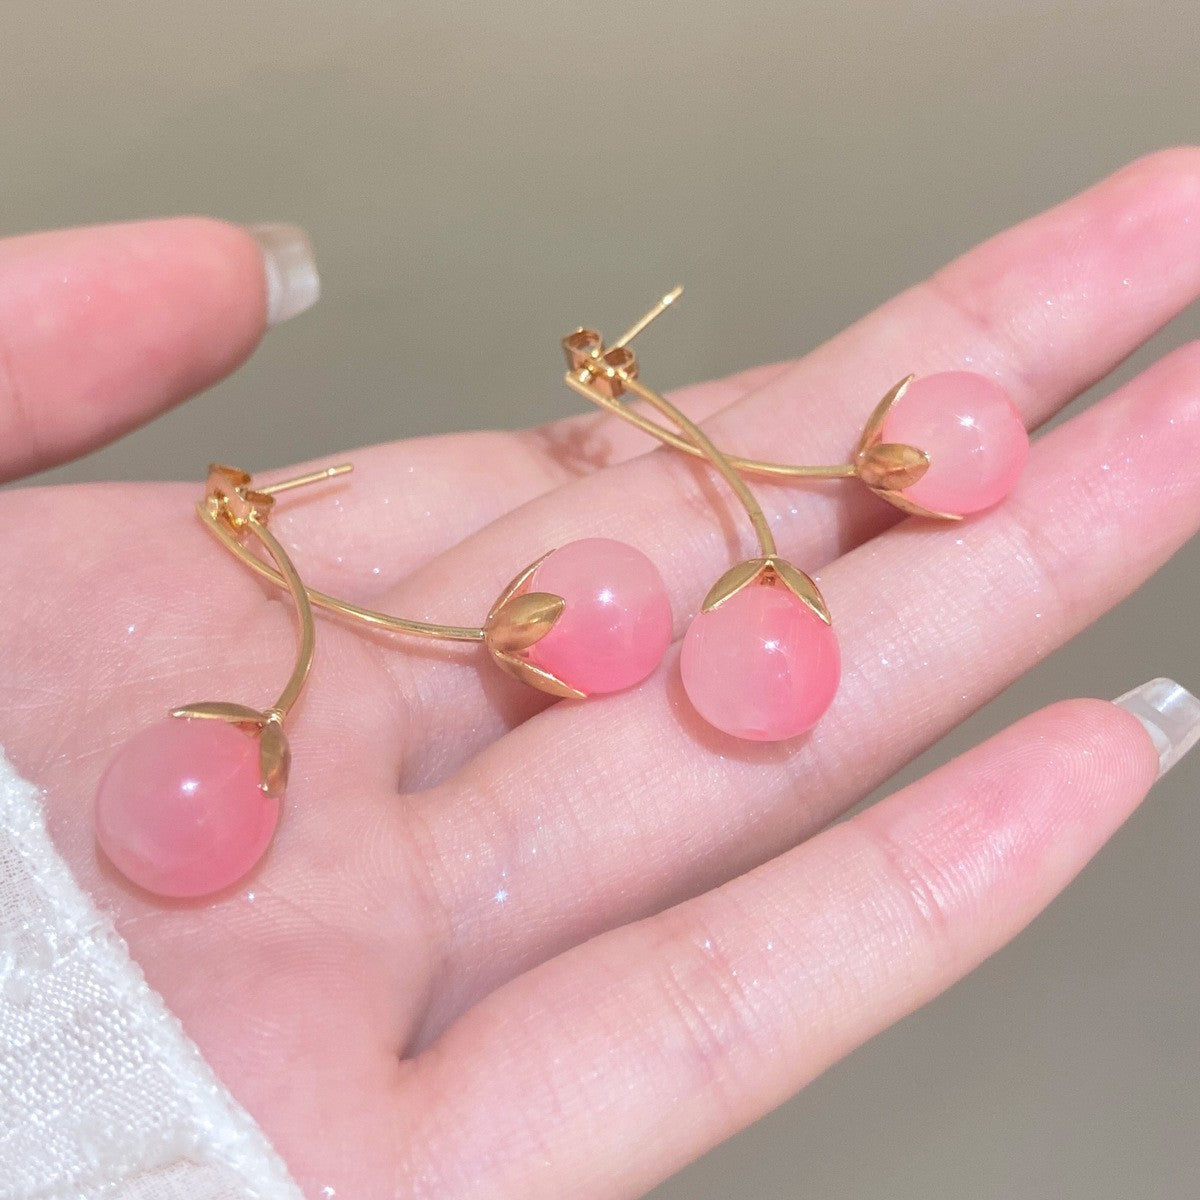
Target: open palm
(507, 947)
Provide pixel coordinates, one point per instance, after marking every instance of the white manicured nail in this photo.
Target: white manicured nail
(1171, 716)
(291, 271)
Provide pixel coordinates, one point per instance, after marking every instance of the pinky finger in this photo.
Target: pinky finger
(610, 1067)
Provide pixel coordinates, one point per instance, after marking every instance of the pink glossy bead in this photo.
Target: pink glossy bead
(616, 623)
(975, 439)
(179, 810)
(760, 666)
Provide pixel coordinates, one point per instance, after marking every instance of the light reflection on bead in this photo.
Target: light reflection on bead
(179, 810)
(974, 436)
(616, 624)
(761, 665)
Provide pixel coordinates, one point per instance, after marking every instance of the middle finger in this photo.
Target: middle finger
(583, 820)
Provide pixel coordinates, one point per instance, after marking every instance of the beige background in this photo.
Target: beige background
(478, 177)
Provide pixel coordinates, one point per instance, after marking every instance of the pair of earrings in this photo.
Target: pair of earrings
(189, 805)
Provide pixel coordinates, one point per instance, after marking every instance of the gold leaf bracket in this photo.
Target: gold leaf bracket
(274, 755)
(732, 582)
(802, 587)
(220, 710)
(535, 677)
(872, 430)
(768, 572)
(520, 619)
(891, 466)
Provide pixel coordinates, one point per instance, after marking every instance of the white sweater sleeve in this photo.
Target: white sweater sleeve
(102, 1097)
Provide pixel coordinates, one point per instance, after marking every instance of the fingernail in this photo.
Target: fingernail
(292, 280)
(1171, 716)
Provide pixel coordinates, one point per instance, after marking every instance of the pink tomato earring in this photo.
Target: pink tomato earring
(189, 805)
(588, 618)
(760, 660)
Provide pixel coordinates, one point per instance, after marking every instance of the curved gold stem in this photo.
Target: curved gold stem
(304, 654)
(695, 441)
(748, 466)
(702, 442)
(366, 616)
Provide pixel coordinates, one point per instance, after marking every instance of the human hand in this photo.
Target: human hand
(503, 947)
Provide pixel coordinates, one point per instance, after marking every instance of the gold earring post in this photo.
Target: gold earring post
(640, 324)
(286, 485)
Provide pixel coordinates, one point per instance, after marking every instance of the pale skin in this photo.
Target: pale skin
(506, 947)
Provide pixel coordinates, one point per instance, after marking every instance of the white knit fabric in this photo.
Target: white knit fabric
(102, 1097)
